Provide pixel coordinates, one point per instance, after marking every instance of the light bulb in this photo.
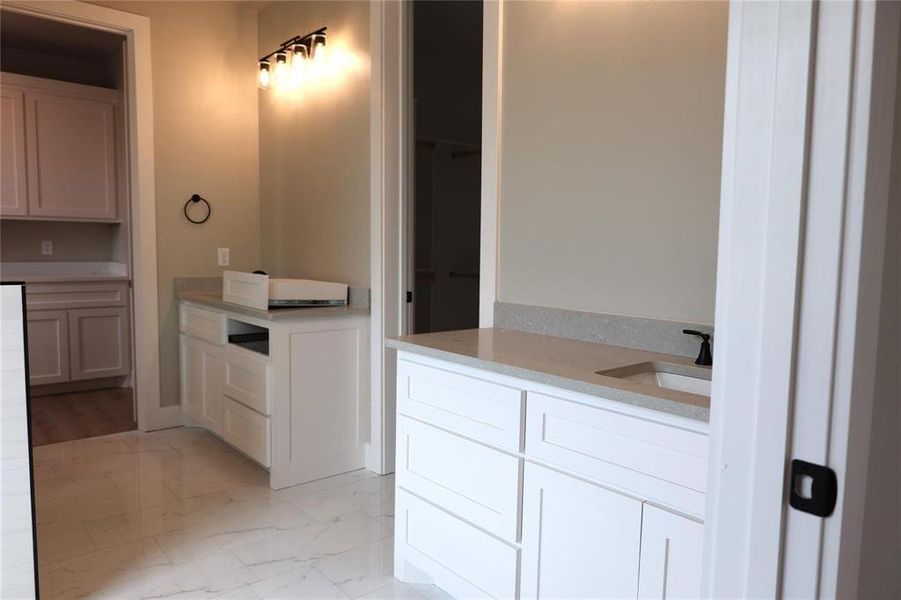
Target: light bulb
(318, 47)
(281, 67)
(264, 74)
(298, 64)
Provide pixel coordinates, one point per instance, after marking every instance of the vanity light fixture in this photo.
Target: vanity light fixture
(291, 54)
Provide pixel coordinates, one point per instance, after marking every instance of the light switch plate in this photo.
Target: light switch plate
(224, 257)
(47, 247)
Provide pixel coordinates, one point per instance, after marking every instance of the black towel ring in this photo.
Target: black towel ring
(194, 200)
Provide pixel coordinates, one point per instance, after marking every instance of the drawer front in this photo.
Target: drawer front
(649, 459)
(206, 325)
(59, 296)
(480, 409)
(246, 430)
(479, 484)
(462, 560)
(248, 379)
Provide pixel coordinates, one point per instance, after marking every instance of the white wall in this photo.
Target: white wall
(206, 142)
(611, 147)
(314, 149)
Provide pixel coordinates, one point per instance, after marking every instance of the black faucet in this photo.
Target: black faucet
(704, 357)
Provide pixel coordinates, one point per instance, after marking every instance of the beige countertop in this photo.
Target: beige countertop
(214, 300)
(561, 362)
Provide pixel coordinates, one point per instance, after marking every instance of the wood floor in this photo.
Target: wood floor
(80, 415)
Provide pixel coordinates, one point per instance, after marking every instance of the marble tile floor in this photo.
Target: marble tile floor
(179, 514)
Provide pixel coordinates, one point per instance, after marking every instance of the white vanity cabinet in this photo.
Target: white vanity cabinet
(200, 363)
(579, 539)
(589, 498)
(672, 548)
(295, 404)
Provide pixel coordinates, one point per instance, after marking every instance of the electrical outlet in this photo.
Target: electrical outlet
(224, 258)
(47, 247)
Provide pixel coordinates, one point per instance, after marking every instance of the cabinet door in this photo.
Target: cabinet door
(671, 554)
(48, 347)
(13, 191)
(71, 157)
(578, 540)
(201, 382)
(99, 343)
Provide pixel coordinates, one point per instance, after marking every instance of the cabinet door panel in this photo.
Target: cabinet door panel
(671, 554)
(99, 343)
(201, 382)
(190, 377)
(13, 190)
(48, 347)
(71, 157)
(579, 540)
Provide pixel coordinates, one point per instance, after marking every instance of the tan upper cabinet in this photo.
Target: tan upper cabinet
(13, 190)
(66, 151)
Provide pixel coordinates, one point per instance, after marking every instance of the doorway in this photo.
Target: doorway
(445, 202)
(68, 236)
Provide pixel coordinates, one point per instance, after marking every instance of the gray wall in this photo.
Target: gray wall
(880, 560)
(314, 149)
(205, 142)
(20, 241)
(611, 149)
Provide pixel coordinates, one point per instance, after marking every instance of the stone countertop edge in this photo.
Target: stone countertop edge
(90, 278)
(665, 405)
(213, 300)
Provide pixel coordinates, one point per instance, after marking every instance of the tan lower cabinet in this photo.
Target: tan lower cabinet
(86, 335)
(48, 346)
(98, 343)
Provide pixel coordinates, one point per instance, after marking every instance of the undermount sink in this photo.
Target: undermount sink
(682, 378)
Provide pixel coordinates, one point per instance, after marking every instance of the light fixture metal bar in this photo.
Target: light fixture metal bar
(293, 41)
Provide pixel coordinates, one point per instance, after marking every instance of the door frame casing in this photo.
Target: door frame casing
(142, 200)
(392, 148)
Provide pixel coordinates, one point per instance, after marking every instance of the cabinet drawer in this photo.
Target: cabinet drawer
(479, 484)
(649, 459)
(246, 430)
(248, 378)
(203, 324)
(462, 560)
(486, 411)
(58, 296)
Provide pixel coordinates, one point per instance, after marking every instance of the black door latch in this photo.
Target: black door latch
(823, 489)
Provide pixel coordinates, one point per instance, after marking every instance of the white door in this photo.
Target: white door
(71, 157)
(201, 382)
(579, 540)
(810, 92)
(99, 343)
(672, 548)
(18, 568)
(48, 347)
(13, 191)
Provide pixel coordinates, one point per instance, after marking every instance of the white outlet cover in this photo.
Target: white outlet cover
(47, 247)
(223, 257)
